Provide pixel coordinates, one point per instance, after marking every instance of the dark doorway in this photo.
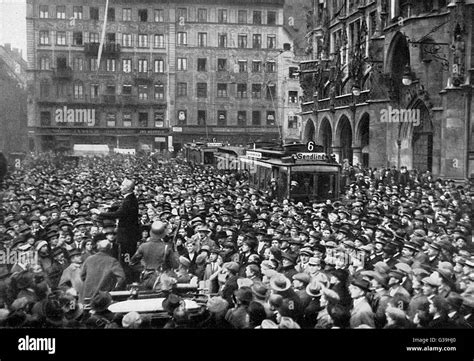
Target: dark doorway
(422, 142)
(326, 135)
(345, 139)
(364, 139)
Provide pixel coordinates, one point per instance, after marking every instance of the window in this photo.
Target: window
(271, 41)
(93, 37)
(61, 90)
(77, 38)
(78, 90)
(127, 65)
(182, 89)
(271, 92)
(111, 117)
(94, 91)
(182, 117)
(159, 66)
(44, 11)
(271, 117)
(61, 38)
(159, 91)
(159, 119)
(293, 72)
(271, 17)
(221, 90)
(242, 17)
(127, 14)
(142, 40)
(271, 67)
(242, 91)
(182, 14)
(44, 37)
(373, 23)
(143, 119)
(222, 40)
(257, 17)
(201, 117)
(143, 15)
(242, 66)
(110, 65)
(201, 90)
(292, 122)
(127, 119)
(111, 14)
(182, 38)
(142, 65)
(292, 97)
(182, 64)
(60, 12)
(110, 89)
(242, 118)
(256, 117)
(159, 41)
(221, 117)
(256, 91)
(45, 63)
(126, 89)
(93, 64)
(256, 66)
(256, 41)
(143, 92)
(110, 38)
(78, 64)
(159, 16)
(45, 118)
(221, 64)
(222, 16)
(127, 40)
(242, 41)
(202, 15)
(202, 39)
(94, 13)
(44, 89)
(201, 64)
(61, 62)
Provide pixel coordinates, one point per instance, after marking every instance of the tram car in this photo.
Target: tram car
(302, 172)
(200, 153)
(227, 158)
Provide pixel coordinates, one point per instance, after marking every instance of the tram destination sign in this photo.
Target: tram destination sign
(309, 156)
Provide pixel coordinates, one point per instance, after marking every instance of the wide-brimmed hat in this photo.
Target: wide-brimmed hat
(314, 288)
(279, 283)
(259, 290)
(432, 280)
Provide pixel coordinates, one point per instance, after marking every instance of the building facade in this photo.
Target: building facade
(13, 119)
(390, 83)
(170, 73)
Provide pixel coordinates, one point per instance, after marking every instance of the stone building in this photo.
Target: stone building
(389, 83)
(13, 133)
(170, 73)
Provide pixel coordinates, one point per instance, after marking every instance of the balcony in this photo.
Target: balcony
(62, 73)
(109, 49)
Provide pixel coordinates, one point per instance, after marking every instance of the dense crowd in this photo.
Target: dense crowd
(394, 252)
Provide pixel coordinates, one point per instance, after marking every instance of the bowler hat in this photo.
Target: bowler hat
(290, 257)
(362, 283)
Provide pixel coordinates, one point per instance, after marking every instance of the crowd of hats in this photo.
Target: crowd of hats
(379, 231)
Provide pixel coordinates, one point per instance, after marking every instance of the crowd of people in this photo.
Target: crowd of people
(395, 251)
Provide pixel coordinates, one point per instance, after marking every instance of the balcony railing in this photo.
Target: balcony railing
(62, 73)
(110, 49)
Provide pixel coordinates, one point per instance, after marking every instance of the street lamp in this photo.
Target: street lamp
(355, 90)
(407, 77)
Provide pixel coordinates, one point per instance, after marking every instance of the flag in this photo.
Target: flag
(102, 38)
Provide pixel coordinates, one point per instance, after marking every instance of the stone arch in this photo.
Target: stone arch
(309, 131)
(398, 57)
(362, 137)
(325, 135)
(344, 137)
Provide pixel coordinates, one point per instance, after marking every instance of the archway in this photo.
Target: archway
(309, 131)
(325, 135)
(422, 140)
(398, 59)
(364, 137)
(345, 138)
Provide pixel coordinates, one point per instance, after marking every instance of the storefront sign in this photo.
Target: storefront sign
(66, 115)
(309, 156)
(252, 154)
(214, 144)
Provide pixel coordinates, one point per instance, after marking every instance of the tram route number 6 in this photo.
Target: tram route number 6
(311, 146)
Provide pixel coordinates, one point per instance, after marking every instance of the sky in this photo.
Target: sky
(13, 23)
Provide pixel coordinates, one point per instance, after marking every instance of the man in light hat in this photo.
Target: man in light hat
(158, 256)
(101, 272)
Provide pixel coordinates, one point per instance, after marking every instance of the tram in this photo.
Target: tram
(200, 153)
(227, 158)
(303, 172)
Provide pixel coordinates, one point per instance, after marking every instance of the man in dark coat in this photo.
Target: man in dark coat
(128, 229)
(101, 272)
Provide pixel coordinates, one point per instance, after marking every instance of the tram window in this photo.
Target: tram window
(208, 157)
(324, 185)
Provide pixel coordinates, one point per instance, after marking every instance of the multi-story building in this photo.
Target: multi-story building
(170, 73)
(13, 133)
(390, 83)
